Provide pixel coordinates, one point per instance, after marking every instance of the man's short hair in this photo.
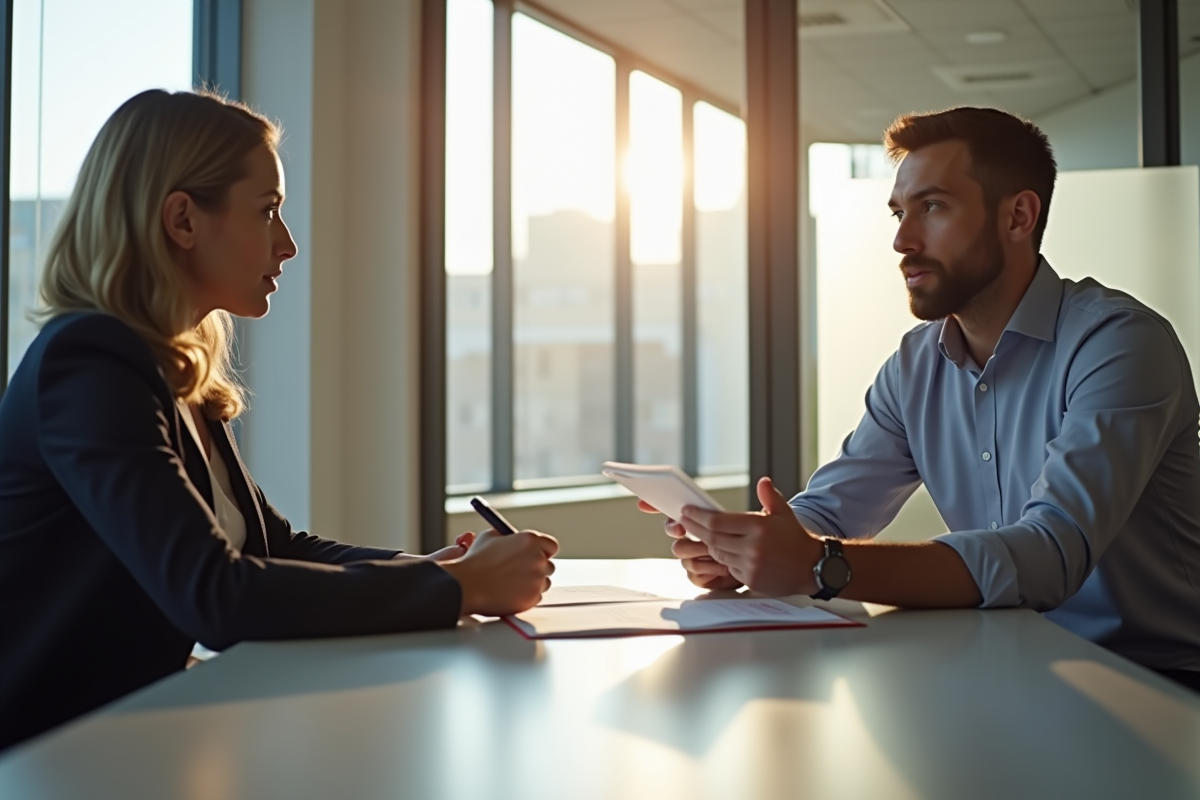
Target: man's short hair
(1008, 154)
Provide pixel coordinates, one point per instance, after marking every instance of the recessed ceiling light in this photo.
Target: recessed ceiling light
(986, 37)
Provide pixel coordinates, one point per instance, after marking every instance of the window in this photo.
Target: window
(563, 208)
(74, 62)
(596, 268)
(719, 179)
(468, 241)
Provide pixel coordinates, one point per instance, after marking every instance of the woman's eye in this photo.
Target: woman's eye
(898, 215)
(271, 212)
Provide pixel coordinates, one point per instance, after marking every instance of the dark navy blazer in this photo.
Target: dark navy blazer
(112, 564)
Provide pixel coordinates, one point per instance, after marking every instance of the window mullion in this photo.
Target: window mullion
(623, 383)
(688, 290)
(502, 252)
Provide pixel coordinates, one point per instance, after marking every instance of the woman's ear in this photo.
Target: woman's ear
(179, 219)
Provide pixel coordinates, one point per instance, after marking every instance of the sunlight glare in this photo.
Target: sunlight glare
(563, 128)
(468, 137)
(653, 170)
(720, 158)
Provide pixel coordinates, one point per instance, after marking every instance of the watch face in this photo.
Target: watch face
(835, 572)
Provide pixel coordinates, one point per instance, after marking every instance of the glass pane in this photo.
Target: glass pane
(564, 197)
(468, 242)
(654, 179)
(74, 62)
(719, 180)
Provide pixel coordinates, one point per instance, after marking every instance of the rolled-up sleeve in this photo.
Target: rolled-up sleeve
(1124, 400)
(858, 493)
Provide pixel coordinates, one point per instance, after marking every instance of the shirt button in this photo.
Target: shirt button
(987, 456)
(983, 387)
(995, 524)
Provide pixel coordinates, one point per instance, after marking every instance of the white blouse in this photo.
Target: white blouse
(227, 513)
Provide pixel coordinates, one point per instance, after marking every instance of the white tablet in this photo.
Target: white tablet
(666, 488)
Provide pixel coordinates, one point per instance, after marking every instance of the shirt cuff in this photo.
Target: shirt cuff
(812, 524)
(990, 564)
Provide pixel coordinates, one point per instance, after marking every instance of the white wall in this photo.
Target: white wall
(1101, 131)
(332, 431)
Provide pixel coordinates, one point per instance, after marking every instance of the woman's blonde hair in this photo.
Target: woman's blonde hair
(110, 251)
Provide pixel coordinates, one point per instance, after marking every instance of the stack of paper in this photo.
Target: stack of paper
(630, 616)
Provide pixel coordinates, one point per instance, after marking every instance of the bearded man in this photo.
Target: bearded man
(1054, 424)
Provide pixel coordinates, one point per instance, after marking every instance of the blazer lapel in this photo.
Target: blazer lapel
(239, 479)
(193, 459)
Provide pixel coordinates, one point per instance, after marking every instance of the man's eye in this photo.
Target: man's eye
(271, 211)
(897, 214)
(930, 205)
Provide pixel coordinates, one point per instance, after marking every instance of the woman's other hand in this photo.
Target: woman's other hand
(504, 574)
(457, 550)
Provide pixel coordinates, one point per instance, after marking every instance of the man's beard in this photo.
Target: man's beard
(955, 288)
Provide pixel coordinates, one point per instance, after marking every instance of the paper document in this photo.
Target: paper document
(669, 616)
(576, 595)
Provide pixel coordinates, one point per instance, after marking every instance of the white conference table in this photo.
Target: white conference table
(934, 704)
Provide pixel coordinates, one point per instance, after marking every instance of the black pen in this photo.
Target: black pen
(492, 516)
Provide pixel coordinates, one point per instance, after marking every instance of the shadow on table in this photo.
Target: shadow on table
(261, 670)
(920, 704)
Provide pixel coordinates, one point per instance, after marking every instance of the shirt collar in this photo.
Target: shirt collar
(1036, 316)
(1037, 313)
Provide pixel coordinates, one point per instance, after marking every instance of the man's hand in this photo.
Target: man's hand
(769, 551)
(701, 569)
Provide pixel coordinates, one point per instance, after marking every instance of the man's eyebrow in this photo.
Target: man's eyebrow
(273, 193)
(928, 191)
(918, 195)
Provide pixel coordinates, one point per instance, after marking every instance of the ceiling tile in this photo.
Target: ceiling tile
(724, 22)
(1078, 9)
(939, 14)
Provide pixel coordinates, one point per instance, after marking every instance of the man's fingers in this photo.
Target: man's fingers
(689, 548)
(721, 521)
(674, 529)
(706, 567)
(646, 507)
(773, 501)
(716, 540)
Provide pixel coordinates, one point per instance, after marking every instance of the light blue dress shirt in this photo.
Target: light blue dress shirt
(1067, 469)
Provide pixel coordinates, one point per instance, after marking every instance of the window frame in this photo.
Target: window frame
(502, 378)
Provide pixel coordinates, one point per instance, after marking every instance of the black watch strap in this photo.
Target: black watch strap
(833, 552)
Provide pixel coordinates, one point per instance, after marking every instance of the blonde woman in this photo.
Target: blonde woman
(129, 526)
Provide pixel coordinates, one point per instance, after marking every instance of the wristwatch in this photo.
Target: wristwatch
(832, 571)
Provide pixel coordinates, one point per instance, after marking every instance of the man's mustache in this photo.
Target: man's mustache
(922, 262)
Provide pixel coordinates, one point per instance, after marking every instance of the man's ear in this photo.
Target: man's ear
(1026, 210)
(179, 219)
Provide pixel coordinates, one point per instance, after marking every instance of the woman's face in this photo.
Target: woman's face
(234, 256)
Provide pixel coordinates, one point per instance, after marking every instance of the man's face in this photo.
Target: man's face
(947, 235)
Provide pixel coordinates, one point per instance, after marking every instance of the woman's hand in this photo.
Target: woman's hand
(702, 569)
(457, 550)
(504, 574)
